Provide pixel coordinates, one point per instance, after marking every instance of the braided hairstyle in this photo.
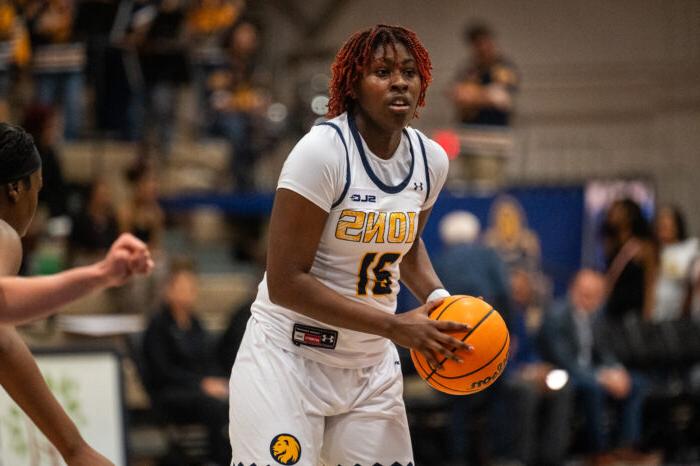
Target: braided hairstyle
(356, 54)
(16, 146)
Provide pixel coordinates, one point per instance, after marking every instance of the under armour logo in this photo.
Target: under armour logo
(328, 339)
(418, 186)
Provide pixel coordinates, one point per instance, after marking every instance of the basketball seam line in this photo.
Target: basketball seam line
(467, 392)
(463, 338)
(437, 317)
(505, 342)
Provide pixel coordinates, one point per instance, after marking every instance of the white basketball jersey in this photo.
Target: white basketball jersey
(372, 222)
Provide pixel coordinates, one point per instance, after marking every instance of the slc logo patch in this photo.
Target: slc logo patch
(285, 449)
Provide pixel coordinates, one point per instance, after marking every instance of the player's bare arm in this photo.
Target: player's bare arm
(11, 247)
(290, 284)
(417, 271)
(25, 299)
(20, 377)
(418, 274)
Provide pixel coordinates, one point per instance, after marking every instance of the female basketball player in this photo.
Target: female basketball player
(24, 299)
(317, 377)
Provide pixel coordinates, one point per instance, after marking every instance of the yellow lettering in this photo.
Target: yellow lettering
(350, 220)
(376, 223)
(397, 227)
(411, 227)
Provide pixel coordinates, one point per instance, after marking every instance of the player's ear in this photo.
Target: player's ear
(13, 191)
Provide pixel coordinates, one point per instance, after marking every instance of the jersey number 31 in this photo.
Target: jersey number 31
(382, 277)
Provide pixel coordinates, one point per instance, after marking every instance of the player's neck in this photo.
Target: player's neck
(381, 142)
(8, 220)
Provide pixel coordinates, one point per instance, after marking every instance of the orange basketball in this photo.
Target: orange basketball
(488, 335)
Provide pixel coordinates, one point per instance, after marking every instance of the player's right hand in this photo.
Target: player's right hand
(415, 330)
(127, 256)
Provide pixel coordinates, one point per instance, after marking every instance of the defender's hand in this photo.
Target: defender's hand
(127, 256)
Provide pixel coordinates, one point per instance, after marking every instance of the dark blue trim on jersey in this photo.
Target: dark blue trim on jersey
(347, 162)
(425, 162)
(386, 188)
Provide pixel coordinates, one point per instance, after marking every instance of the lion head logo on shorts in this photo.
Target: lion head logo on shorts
(285, 449)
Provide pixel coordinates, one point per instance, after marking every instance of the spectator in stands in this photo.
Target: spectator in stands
(45, 126)
(485, 276)
(693, 302)
(230, 341)
(484, 90)
(238, 102)
(208, 22)
(677, 254)
(95, 25)
(15, 50)
(143, 217)
(158, 33)
(538, 417)
(571, 340)
(95, 226)
(509, 235)
(632, 261)
(182, 379)
(58, 59)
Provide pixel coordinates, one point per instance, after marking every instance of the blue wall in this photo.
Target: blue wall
(555, 214)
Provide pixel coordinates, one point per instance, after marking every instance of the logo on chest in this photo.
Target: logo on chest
(363, 198)
(376, 227)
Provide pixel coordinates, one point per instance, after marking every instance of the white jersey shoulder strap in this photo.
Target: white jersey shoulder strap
(347, 162)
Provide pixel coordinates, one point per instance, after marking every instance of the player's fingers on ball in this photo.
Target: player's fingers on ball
(450, 355)
(455, 344)
(460, 345)
(451, 326)
(441, 353)
(439, 349)
(432, 358)
(446, 351)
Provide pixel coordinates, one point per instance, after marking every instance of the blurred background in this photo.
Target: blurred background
(573, 130)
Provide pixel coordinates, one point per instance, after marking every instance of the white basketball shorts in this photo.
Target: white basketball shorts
(287, 409)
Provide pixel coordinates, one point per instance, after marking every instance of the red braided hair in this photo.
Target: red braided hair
(356, 54)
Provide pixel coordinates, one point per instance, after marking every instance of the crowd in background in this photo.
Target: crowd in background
(118, 68)
(71, 70)
(648, 285)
